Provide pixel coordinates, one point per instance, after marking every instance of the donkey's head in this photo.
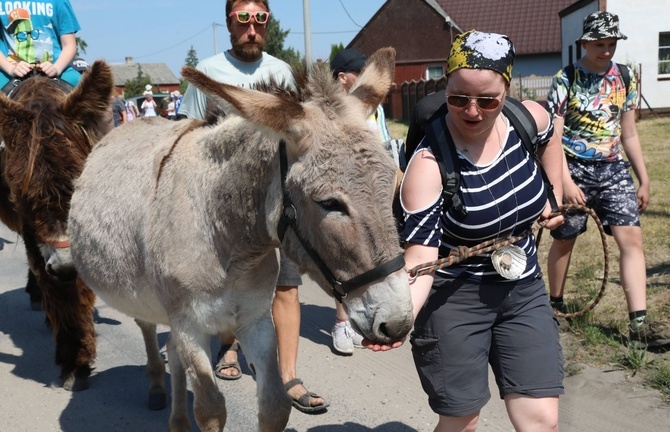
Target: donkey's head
(48, 134)
(340, 183)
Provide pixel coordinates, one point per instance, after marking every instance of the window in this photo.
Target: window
(434, 72)
(664, 53)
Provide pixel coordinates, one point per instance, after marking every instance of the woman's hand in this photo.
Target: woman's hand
(382, 347)
(552, 222)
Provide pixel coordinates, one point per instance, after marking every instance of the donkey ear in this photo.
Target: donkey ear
(14, 119)
(272, 111)
(88, 103)
(375, 80)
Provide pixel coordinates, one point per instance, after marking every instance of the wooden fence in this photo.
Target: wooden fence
(402, 98)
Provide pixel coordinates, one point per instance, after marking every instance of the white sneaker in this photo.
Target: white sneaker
(342, 342)
(355, 337)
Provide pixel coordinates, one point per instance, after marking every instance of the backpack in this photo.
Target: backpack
(429, 122)
(570, 73)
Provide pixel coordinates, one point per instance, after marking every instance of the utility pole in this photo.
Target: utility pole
(214, 31)
(308, 33)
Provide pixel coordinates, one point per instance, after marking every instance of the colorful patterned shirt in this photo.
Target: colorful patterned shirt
(592, 112)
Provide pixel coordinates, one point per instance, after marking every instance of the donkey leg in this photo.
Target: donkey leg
(69, 310)
(260, 349)
(209, 405)
(179, 421)
(155, 366)
(75, 334)
(33, 290)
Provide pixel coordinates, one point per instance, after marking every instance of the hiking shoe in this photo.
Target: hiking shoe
(559, 307)
(649, 335)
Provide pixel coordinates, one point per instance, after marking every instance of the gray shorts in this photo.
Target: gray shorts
(289, 274)
(464, 327)
(610, 192)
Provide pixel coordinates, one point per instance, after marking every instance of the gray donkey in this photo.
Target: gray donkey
(179, 223)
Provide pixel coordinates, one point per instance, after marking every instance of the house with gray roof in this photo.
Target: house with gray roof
(162, 78)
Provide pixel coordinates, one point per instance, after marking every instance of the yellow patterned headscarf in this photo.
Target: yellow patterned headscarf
(479, 50)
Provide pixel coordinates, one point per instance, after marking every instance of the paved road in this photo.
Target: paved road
(368, 391)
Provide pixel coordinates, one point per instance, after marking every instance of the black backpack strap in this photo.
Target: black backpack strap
(625, 76)
(570, 73)
(524, 124)
(444, 150)
(429, 108)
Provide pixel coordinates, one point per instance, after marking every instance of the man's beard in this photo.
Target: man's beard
(248, 52)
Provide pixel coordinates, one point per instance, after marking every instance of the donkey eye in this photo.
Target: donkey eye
(333, 205)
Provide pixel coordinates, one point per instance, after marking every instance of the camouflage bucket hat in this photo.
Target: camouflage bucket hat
(601, 25)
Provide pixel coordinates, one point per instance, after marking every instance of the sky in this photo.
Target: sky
(162, 31)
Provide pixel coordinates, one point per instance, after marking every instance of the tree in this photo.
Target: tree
(191, 60)
(81, 46)
(274, 45)
(135, 86)
(334, 49)
(191, 57)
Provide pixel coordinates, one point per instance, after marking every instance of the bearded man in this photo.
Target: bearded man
(244, 65)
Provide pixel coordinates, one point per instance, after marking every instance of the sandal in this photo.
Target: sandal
(302, 403)
(220, 364)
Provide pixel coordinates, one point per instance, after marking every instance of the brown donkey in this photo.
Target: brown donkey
(196, 211)
(48, 134)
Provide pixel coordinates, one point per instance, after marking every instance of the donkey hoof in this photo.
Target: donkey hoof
(73, 383)
(157, 401)
(76, 380)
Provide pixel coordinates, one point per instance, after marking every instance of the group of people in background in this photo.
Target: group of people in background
(470, 315)
(127, 111)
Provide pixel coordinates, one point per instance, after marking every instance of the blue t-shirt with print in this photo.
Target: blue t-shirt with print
(31, 33)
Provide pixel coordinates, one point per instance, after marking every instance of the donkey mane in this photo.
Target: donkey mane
(48, 146)
(49, 128)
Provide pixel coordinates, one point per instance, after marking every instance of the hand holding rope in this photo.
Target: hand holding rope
(461, 253)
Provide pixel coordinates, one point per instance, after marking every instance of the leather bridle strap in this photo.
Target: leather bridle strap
(289, 219)
(59, 244)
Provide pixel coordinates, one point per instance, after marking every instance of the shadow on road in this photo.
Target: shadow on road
(116, 390)
(354, 427)
(4, 241)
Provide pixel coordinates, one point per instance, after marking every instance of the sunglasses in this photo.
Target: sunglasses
(483, 102)
(244, 17)
(23, 36)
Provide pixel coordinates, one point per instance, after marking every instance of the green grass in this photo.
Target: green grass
(659, 379)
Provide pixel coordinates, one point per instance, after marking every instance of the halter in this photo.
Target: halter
(13, 85)
(288, 219)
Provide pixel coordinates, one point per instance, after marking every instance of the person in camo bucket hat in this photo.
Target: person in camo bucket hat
(601, 25)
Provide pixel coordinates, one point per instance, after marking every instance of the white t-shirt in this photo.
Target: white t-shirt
(149, 108)
(225, 68)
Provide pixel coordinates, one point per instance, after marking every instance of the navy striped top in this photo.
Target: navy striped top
(515, 182)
